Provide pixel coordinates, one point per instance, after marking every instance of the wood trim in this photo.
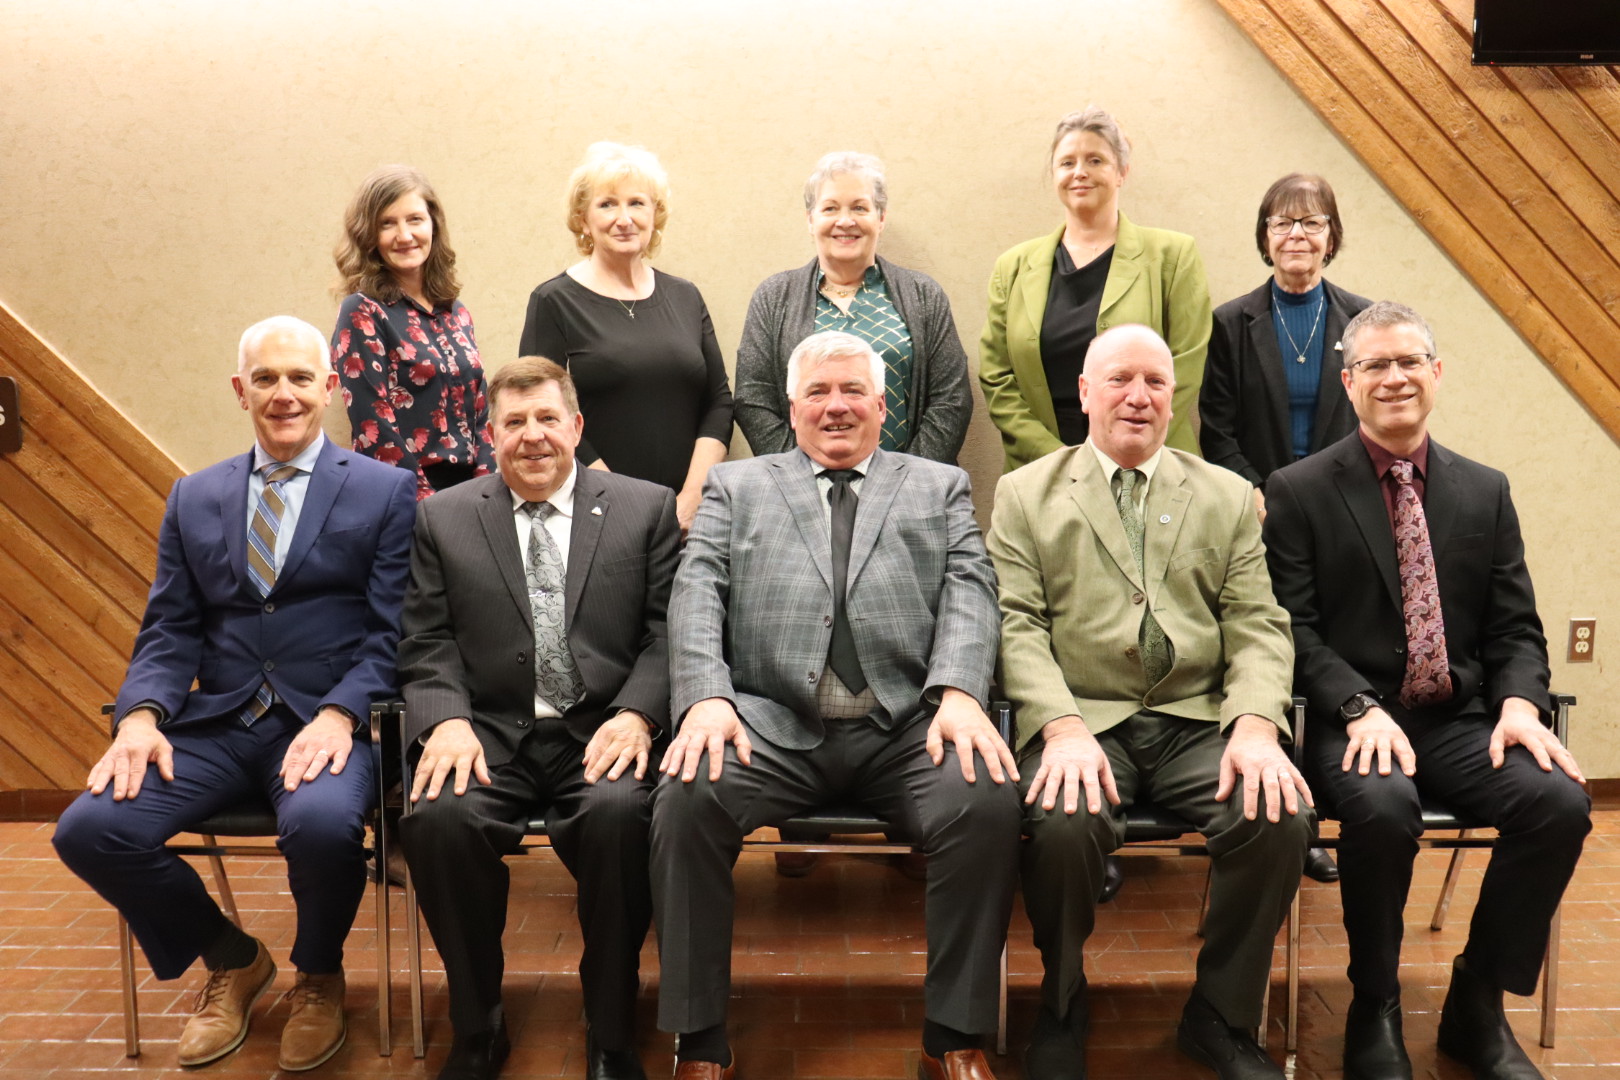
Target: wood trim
(1514, 172)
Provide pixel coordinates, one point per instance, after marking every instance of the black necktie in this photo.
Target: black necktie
(842, 657)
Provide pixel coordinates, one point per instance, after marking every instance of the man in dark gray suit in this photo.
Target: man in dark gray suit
(536, 674)
(833, 629)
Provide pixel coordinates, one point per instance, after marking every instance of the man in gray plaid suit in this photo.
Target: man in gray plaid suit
(832, 633)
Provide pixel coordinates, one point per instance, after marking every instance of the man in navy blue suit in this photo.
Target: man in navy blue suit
(278, 589)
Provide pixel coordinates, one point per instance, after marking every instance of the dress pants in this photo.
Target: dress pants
(968, 831)
(118, 847)
(1543, 819)
(455, 846)
(1174, 763)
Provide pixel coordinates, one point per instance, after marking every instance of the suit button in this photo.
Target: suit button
(811, 678)
(270, 608)
(269, 665)
(1130, 651)
(1400, 652)
(523, 723)
(1136, 598)
(523, 658)
(826, 620)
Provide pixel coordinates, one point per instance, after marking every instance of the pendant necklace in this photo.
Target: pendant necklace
(1299, 353)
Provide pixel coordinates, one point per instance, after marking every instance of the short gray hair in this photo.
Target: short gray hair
(1100, 123)
(1381, 315)
(838, 163)
(254, 336)
(817, 349)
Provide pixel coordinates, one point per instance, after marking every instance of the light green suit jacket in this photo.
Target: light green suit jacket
(1071, 596)
(1156, 279)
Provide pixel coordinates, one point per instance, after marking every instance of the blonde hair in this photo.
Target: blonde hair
(605, 164)
(1100, 123)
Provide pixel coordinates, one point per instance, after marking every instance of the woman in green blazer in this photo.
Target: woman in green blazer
(1050, 296)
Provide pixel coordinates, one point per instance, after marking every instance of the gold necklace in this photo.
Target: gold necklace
(841, 291)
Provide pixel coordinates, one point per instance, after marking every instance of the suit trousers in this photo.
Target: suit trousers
(968, 831)
(1174, 763)
(118, 847)
(1543, 819)
(455, 846)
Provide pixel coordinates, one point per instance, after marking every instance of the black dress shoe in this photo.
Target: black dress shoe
(1373, 1047)
(603, 1064)
(1474, 1029)
(477, 1057)
(1319, 866)
(1057, 1048)
(1113, 878)
(1206, 1037)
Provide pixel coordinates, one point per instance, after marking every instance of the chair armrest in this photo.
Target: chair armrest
(1297, 709)
(1562, 703)
(1001, 712)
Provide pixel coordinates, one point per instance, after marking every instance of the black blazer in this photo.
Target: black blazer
(1243, 406)
(1333, 566)
(467, 646)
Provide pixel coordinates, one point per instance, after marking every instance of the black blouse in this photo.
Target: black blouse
(649, 373)
(1073, 301)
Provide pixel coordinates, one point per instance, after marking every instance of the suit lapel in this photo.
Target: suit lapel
(500, 532)
(1034, 282)
(1359, 489)
(1439, 498)
(1090, 492)
(233, 511)
(883, 479)
(1125, 268)
(1167, 498)
(326, 480)
(795, 475)
(1263, 340)
(1332, 402)
(591, 507)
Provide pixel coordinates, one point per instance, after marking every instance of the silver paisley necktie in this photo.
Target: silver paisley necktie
(556, 677)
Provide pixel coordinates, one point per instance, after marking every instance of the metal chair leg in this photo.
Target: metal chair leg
(132, 1014)
(1453, 872)
(1549, 983)
(1203, 901)
(1291, 1033)
(413, 945)
(385, 966)
(1265, 1011)
(1001, 1013)
(227, 899)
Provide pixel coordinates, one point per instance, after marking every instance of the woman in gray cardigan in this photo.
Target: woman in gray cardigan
(903, 314)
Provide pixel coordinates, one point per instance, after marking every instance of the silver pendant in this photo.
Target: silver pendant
(1300, 358)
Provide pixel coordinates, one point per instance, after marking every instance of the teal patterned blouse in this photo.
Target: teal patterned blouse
(873, 318)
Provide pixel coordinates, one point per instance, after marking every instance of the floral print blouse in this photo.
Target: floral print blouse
(413, 384)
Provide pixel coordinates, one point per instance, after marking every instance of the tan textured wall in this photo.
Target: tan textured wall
(172, 171)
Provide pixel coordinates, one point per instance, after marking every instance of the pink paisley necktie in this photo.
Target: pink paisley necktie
(1428, 672)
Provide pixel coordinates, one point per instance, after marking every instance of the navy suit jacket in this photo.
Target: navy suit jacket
(328, 631)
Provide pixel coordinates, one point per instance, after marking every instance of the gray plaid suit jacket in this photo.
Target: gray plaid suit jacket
(752, 610)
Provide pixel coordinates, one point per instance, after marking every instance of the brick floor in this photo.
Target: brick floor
(827, 975)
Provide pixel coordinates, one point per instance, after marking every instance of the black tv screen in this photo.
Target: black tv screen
(1547, 32)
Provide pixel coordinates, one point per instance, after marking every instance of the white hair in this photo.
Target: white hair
(841, 162)
(817, 349)
(289, 325)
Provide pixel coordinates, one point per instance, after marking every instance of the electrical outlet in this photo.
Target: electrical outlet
(1582, 640)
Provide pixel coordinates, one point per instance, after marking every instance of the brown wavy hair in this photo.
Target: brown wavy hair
(362, 270)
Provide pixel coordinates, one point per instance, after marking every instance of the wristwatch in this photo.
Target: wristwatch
(1357, 706)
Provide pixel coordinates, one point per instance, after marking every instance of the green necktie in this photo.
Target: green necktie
(1154, 645)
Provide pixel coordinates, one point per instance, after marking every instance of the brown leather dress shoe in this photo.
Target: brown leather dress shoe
(956, 1065)
(219, 1019)
(316, 1027)
(705, 1070)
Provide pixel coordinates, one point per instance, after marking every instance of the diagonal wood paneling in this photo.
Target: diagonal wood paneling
(1515, 172)
(80, 507)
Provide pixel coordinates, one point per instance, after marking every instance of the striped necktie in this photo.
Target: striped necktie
(261, 564)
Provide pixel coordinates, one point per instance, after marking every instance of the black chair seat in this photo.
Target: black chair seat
(837, 818)
(1146, 822)
(251, 817)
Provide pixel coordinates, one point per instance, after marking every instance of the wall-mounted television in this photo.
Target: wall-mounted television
(1547, 32)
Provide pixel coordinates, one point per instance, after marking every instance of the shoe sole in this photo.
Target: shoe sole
(343, 1037)
(247, 1022)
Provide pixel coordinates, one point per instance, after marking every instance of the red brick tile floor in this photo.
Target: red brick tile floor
(827, 975)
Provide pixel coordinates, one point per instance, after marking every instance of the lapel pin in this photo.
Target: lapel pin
(596, 511)
(1164, 519)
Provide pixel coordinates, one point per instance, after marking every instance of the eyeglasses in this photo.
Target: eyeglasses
(1312, 226)
(1378, 368)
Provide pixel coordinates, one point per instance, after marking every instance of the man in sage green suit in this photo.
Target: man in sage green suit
(1146, 659)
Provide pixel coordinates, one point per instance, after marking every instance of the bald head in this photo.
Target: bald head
(287, 330)
(1125, 391)
(284, 379)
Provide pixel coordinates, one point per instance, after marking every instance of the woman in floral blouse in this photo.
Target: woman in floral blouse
(404, 344)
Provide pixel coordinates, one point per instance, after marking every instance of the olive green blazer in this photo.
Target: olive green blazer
(1156, 279)
(1071, 596)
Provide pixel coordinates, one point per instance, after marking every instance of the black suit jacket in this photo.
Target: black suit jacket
(1243, 405)
(468, 635)
(1333, 566)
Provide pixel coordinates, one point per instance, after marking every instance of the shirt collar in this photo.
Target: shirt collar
(1382, 459)
(303, 461)
(1110, 466)
(562, 498)
(860, 466)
